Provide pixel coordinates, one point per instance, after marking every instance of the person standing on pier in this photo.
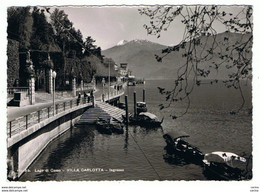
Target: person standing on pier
(78, 100)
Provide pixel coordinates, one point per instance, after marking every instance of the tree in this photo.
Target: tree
(89, 46)
(43, 34)
(19, 28)
(202, 52)
(61, 25)
(76, 44)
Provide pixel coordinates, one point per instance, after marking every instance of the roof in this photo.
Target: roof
(226, 156)
(229, 158)
(150, 115)
(176, 134)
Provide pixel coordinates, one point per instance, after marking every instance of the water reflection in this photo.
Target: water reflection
(126, 139)
(64, 149)
(61, 149)
(173, 157)
(147, 130)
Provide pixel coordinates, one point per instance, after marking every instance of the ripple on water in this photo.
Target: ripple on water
(208, 123)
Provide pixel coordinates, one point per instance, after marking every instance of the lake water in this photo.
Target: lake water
(84, 154)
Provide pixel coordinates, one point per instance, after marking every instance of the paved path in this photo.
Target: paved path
(43, 100)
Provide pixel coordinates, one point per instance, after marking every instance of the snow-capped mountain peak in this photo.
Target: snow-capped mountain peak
(122, 42)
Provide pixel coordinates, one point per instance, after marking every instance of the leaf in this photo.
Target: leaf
(161, 89)
(158, 58)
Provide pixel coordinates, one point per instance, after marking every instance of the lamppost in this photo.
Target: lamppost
(103, 83)
(54, 76)
(108, 79)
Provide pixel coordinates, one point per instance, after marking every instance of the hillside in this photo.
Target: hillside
(139, 54)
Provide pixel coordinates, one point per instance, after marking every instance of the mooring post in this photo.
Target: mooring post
(126, 110)
(135, 112)
(143, 95)
(93, 101)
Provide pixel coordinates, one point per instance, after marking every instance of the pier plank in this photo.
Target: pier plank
(101, 110)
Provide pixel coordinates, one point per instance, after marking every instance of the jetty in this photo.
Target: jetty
(101, 110)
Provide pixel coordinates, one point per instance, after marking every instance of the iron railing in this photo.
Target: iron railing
(12, 90)
(22, 123)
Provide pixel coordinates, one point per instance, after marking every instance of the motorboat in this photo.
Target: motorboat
(116, 126)
(103, 126)
(109, 126)
(145, 119)
(224, 165)
(141, 107)
(178, 144)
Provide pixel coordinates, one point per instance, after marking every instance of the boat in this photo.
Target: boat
(224, 165)
(145, 119)
(103, 126)
(141, 107)
(121, 105)
(116, 126)
(178, 144)
(131, 83)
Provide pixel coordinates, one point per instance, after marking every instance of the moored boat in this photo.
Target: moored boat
(131, 83)
(224, 165)
(116, 127)
(121, 105)
(103, 126)
(145, 119)
(141, 107)
(178, 144)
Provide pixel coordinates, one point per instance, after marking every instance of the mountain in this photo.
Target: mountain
(122, 42)
(140, 56)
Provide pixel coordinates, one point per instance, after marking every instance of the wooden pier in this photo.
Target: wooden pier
(101, 110)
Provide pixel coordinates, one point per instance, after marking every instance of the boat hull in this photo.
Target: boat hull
(216, 172)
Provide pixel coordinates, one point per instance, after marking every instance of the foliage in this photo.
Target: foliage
(19, 28)
(43, 34)
(81, 64)
(12, 62)
(29, 26)
(89, 67)
(91, 49)
(69, 39)
(103, 68)
(29, 69)
(47, 64)
(200, 48)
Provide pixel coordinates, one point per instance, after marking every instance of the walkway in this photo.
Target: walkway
(22, 118)
(101, 110)
(42, 100)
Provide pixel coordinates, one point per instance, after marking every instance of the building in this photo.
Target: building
(123, 69)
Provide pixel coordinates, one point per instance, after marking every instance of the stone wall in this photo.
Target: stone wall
(26, 147)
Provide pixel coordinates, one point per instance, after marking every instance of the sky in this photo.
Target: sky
(110, 24)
